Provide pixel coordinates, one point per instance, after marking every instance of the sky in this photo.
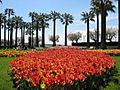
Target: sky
(73, 7)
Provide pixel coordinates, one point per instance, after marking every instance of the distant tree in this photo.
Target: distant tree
(78, 35)
(71, 37)
(87, 17)
(66, 19)
(74, 36)
(110, 34)
(93, 35)
(51, 38)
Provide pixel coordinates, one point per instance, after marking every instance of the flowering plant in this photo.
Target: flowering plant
(13, 53)
(60, 68)
(108, 51)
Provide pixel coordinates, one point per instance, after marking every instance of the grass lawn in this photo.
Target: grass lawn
(6, 83)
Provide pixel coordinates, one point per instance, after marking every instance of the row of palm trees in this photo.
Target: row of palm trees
(99, 7)
(39, 21)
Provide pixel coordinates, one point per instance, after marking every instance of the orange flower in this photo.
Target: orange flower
(60, 66)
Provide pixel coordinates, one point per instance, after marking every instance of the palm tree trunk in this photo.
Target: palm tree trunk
(9, 28)
(88, 41)
(11, 36)
(103, 30)
(43, 36)
(32, 38)
(0, 29)
(23, 34)
(66, 34)
(54, 42)
(32, 33)
(119, 24)
(97, 43)
(37, 42)
(16, 36)
(8, 34)
(0, 33)
(4, 34)
(29, 40)
(103, 26)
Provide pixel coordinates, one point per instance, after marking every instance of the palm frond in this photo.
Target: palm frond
(54, 15)
(66, 18)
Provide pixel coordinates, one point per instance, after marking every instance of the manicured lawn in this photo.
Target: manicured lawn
(6, 83)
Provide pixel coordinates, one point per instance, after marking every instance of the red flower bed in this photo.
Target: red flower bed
(60, 66)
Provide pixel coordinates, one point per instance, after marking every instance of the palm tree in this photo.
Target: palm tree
(106, 5)
(23, 27)
(54, 15)
(4, 20)
(66, 19)
(16, 20)
(43, 21)
(28, 32)
(9, 12)
(95, 9)
(1, 21)
(86, 17)
(119, 24)
(11, 33)
(37, 26)
(32, 15)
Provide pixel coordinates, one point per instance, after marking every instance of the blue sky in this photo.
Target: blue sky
(73, 7)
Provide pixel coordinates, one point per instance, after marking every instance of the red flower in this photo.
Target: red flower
(60, 66)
